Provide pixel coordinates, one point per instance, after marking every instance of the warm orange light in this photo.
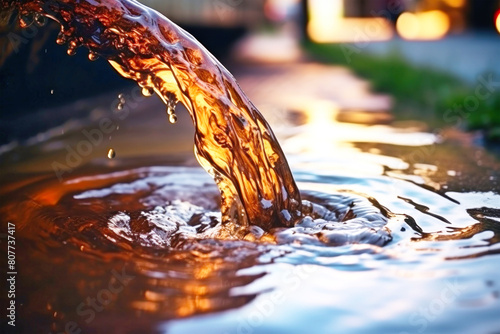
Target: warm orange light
(429, 25)
(324, 16)
(352, 30)
(455, 3)
(327, 24)
(408, 26)
(497, 21)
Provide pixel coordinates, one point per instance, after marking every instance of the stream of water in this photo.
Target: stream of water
(399, 230)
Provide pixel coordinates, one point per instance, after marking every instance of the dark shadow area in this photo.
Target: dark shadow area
(37, 73)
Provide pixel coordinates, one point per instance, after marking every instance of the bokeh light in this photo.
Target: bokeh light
(455, 3)
(428, 25)
(328, 24)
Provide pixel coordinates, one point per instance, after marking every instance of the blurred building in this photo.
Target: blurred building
(210, 13)
(370, 20)
(217, 24)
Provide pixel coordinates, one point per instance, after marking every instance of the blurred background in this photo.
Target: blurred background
(430, 55)
(396, 102)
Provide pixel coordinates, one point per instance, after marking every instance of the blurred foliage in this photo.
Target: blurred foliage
(421, 93)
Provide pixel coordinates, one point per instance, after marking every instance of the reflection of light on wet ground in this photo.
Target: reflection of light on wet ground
(294, 285)
(321, 121)
(322, 139)
(477, 199)
(431, 296)
(277, 90)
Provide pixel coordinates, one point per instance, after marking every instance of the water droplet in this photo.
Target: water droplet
(111, 154)
(51, 92)
(93, 56)
(61, 38)
(71, 51)
(171, 103)
(40, 20)
(147, 91)
(172, 118)
(121, 101)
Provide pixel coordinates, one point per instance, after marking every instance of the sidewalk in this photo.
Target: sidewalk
(276, 75)
(466, 56)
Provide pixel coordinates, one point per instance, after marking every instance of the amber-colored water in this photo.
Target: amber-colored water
(233, 142)
(393, 237)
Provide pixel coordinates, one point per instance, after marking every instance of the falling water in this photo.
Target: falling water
(233, 141)
(154, 234)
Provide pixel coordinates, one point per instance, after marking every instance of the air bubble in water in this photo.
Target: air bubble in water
(40, 20)
(111, 154)
(147, 91)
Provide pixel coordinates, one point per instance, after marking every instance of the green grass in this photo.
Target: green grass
(436, 97)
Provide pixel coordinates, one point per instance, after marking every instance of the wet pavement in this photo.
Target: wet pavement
(465, 55)
(341, 142)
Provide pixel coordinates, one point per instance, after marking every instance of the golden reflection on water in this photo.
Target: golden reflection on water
(167, 286)
(324, 139)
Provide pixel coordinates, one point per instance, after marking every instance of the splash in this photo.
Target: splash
(233, 141)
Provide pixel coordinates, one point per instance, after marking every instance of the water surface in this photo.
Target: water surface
(124, 245)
